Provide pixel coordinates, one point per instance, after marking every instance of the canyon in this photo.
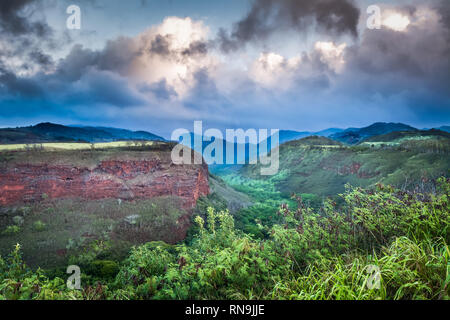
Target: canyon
(97, 178)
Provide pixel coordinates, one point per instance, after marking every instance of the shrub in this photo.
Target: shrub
(18, 282)
(18, 220)
(10, 230)
(39, 226)
(104, 268)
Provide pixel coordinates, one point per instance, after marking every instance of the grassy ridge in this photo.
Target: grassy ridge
(315, 167)
(89, 155)
(58, 146)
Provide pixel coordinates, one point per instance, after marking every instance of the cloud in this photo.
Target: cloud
(159, 70)
(402, 66)
(396, 21)
(331, 54)
(14, 19)
(171, 74)
(401, 54)
(272, 69)
(103, 87)
(171, 52)
(310, 69)
(12, 85)
(386, 75)
(266, 17)
(23, 37)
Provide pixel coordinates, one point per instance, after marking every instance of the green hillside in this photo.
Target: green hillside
(323, 167)
(398, 137)
(318, 167)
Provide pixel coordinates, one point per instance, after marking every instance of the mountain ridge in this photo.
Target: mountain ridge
(354, 136)
(51, 132)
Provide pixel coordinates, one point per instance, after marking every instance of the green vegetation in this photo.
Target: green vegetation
(266, 201)
(50, 232)
(322, 170)
(11, 230)
(84, 155)
(317, 167)
(400, 136)
(39, 226)
(315, 230)
(309, 254)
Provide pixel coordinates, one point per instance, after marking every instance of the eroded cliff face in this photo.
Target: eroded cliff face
(101, 175)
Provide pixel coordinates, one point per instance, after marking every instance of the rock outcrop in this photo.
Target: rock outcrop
(126, 175)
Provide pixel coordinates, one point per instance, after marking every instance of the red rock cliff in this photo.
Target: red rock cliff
(121, 176)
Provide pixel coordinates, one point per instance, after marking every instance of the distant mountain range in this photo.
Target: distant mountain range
(289, 135)
(444, 128)
(50, 132)
(355, 136)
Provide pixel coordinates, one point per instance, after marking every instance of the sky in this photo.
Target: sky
(159, 65)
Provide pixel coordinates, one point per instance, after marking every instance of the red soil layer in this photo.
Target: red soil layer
(127, 180)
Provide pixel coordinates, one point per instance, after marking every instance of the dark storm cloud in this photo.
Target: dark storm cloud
(268, 16)
(160, 45)
(117, 55)
(40, 58)
(160, 90)
(196, 48)
(416, 56)
(18, 32)
(102, 87)
(10, 84)
(14, 21)
(411, 66)
(25, 38)
(76, 63)
(444, 9)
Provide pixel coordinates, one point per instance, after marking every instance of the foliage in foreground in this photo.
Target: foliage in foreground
(309, 255)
